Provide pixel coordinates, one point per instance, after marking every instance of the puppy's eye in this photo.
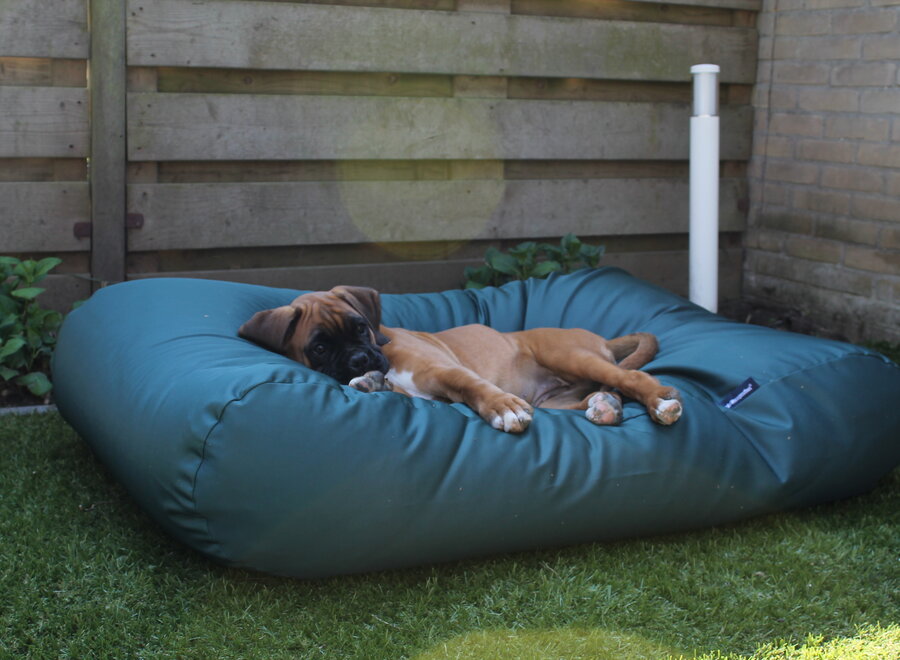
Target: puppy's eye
(362, 329)
(319, 349)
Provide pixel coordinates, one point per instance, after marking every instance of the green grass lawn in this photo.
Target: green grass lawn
(85, 574)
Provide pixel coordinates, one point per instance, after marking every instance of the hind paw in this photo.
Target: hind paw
(604, 408)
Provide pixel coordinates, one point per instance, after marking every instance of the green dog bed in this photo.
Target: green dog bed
(259, 462)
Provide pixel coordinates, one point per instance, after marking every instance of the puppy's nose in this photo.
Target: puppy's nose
(359, 361)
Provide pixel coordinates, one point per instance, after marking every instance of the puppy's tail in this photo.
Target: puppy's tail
(635, 350)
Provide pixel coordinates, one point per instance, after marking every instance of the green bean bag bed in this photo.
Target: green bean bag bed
(259, 462)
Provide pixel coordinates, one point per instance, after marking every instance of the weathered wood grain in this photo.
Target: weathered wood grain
(43, 122)
(400, 277)
(39, 217)
(43, 71)
(38, 28)
(43, 169)
(64, 290)
(187, 216)
(108, 160)
(251, 127)
(257, 35)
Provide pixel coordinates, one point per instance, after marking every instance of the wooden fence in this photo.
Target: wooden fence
(45, 135)
(387, 142)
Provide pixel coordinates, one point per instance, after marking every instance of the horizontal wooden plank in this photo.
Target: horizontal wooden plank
(168, 261)
(43, 169)
(65, 290)
(260, 127)
(257, 35)
(38, 28)
(43, 71)
(317, 170)
(43, 121)
(750, 5)
(394, 170)
(189, 216)
(625, 10)
(668, 269)
(39, 217)
(339, 83)
(439, 5)
(402, 277)
(582, 89)
(161, 261)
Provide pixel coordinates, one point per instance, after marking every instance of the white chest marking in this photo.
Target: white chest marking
(404, 380)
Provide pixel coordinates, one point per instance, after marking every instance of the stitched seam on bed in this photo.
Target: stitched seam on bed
(206, 442)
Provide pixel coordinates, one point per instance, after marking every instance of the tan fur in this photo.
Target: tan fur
(499, 375)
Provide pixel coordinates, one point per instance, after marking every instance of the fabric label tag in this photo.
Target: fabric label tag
(738, 394)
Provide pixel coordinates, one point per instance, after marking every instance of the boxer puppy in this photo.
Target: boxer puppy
(502, 376)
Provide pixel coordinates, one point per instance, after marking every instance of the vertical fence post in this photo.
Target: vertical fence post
(704, 188)
(106, 77)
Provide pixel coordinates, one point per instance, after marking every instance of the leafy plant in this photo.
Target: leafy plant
(531, 259)
(27, 331)
(886, 348)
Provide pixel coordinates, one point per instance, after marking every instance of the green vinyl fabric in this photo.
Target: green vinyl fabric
(259, 462)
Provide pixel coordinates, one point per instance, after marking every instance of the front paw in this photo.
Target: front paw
(507, 412)
(372, 381)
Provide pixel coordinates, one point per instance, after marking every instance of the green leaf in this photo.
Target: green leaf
(503, 263)
(526, 249)
(11, 346)
(8, 374)
(28, 293)
(480, 275)
(544, 268)
(33, 337)
(550, 251)
(36, 382)
(8, 320)
(44, 266)
(7, 266)
(52, 321)
(570, 244)
(25, 270)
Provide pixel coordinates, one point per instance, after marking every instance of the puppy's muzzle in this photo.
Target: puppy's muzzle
(360, 360)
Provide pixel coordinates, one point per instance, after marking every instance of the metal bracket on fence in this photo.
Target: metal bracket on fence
(82, 229)
(134, 220)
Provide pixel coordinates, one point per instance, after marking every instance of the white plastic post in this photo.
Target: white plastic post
(704, 188)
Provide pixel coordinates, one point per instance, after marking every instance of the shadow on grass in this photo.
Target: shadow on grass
(85, 574)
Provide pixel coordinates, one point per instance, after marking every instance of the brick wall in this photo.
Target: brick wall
(824, 225)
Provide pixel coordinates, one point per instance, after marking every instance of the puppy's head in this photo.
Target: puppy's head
(335, 332)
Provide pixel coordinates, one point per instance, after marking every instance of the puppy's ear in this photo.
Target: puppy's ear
(367, 302)
(271, 328)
